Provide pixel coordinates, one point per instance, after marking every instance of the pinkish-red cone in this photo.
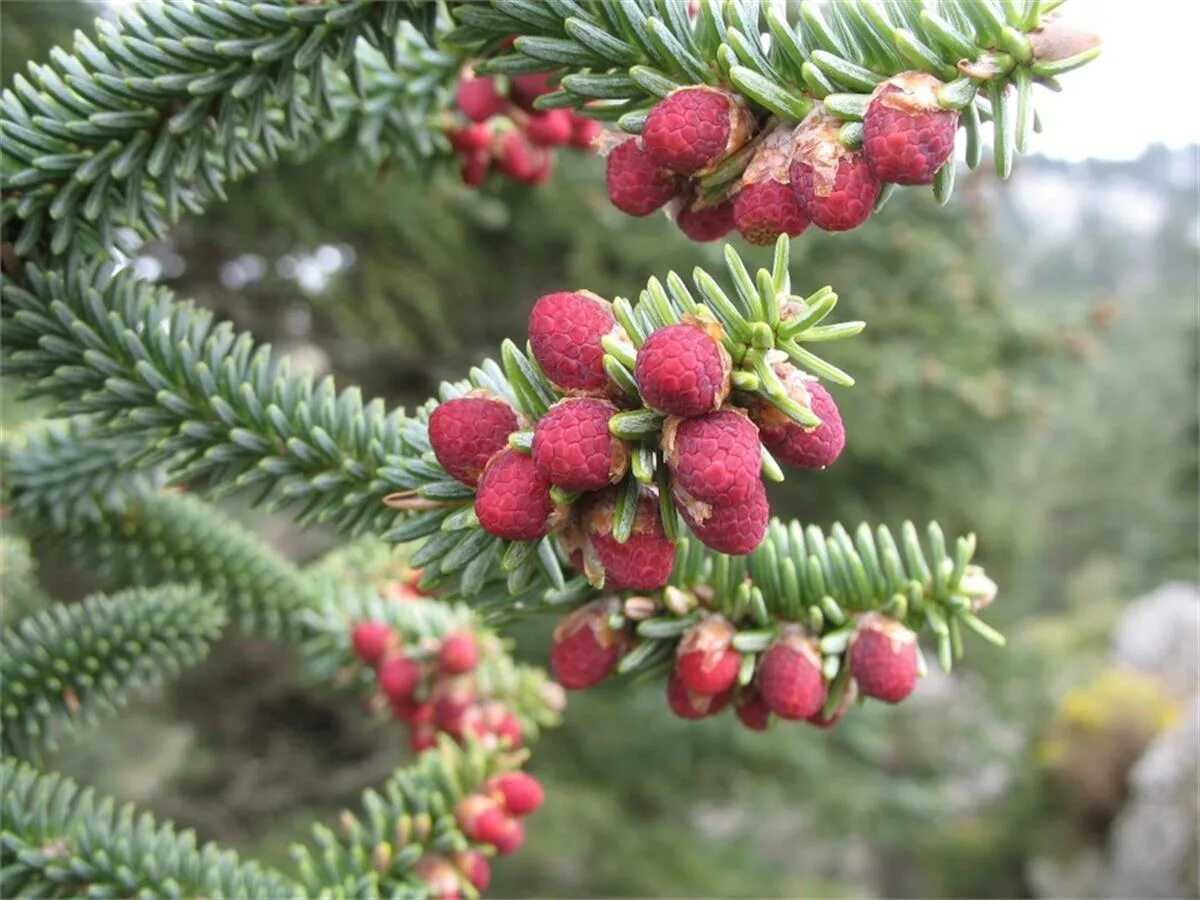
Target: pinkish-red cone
(706, 660)
(907, 135)
(883, 658)
(789, 676)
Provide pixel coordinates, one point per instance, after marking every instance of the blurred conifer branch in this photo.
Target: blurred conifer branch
(154, 118)
(70, 664)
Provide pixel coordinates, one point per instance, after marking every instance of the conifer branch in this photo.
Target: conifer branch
(60, 840)
(421, 624)
(212, 404)
(374, 853)
(801, 574)
(69, 664)
(156, 115)
(614, 61)
(19, 587)
(71, 470)
(763, 327)
(389, 113)
(169, 536)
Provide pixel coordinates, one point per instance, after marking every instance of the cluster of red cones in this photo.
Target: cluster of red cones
(431, 687)
(793, 177)
(565, 481)
(491, 818)
(788, 676)
(505, 134)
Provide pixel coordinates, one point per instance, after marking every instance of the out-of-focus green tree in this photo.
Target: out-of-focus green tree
(1048, 418)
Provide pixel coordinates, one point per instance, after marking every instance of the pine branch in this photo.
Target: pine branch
(389, 114)
(614, 61)
(58, 840)
(374, 854)
(168, 536)
(156, 115)
(73, 470)
(69, 664)
(19, 588)
(421, 625)
(212, 404)
(822, 581)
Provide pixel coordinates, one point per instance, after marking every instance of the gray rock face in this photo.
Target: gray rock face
(1159, 634)
(1153, 842)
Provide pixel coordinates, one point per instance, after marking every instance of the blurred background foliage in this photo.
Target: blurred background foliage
(1028, 372)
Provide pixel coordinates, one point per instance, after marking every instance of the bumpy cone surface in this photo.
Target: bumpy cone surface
(735, 529)
(513, 500)
(573, 447)
(907, 136)
(789, 677)
(478, 99)
(637, 186)
(682, 370)
(459, 654)
(706, 661)
(399, 677)
(370, 641)
(715, 458)
(764, 211)
(765, 205)
(792, 443)
(849, 201)
(752, 710)
(520, 160)
(466, 432)
(693, 128)
(480, 818)
(518, 792)
(834, 186)
(706, 224)
(553, 128)
(527, 88)
(689, 705)
(883, 658)
(475, 137)
(510, 839)
(565, 331)
(440, 876)
(584, 133)
(586, 648)
(642, 563)
(474, 866)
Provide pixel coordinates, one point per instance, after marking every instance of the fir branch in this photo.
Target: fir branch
(614, 60)
(58, 840)
(69, 664)
(161, 110)
(823, 581)
(169, 536)
(72, 470)
(422, 624)
(389, 114)
(19, 589)
(209, 401)
(373, 854)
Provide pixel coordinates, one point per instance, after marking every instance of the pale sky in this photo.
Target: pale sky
(1138, 92)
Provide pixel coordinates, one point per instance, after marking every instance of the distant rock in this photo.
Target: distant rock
(1159, 634)
(1153, 842)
